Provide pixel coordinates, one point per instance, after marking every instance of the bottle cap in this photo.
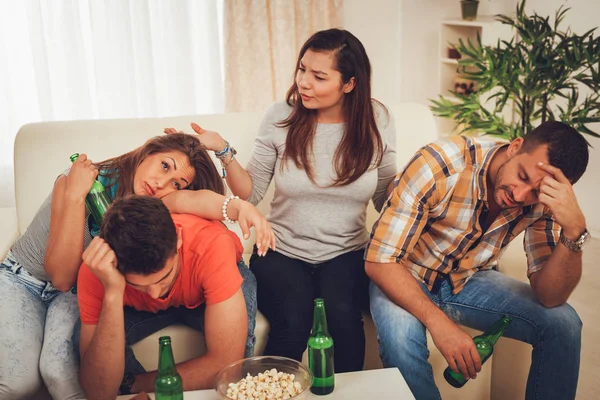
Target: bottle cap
(74, 157)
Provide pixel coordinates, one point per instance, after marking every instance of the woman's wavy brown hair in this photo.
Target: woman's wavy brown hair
(361, 147)
(121, 170)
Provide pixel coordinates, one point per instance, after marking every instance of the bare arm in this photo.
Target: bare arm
(401, 287)
(554, 283)
(208, 204)
(67, 221)
(102, 346)
(238, 180)
(226, 327)
(102, 349)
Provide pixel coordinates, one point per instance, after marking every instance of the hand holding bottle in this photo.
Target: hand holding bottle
(457, 347)
(97, 200)
(484, 345)
(81, 177)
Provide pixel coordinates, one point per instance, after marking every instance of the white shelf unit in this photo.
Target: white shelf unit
(451, 31)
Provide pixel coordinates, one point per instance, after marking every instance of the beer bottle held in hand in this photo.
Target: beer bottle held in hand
(97, 200)
(168, 384)
(485, 347)
(320, 352)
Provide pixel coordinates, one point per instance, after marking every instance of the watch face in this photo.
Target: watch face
(584, 239)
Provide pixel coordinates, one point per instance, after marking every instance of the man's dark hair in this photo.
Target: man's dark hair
(567, 148)
(141, 232)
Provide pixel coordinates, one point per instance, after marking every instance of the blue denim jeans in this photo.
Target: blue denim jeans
(141, 324)
(554, 333)
(36, 321)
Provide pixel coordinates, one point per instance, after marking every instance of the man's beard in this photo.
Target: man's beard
(507, 191)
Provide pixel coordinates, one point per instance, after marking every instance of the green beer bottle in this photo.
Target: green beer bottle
(168, 384)
(97, 200)
(485, 347)
(320, 352)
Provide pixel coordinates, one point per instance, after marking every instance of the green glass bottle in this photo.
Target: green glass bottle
(168, 384)
(320, 352)
(97, 200)
(485, 347)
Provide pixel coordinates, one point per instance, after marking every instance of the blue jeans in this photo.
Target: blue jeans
(141, 324)
(36, 321)
(554, 333)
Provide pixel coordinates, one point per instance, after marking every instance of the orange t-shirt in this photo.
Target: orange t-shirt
(208, 272)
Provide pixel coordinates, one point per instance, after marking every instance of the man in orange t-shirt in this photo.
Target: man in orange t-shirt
(147, 270)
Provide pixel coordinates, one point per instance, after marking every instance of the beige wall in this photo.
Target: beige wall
(375, 24)
(401, 38)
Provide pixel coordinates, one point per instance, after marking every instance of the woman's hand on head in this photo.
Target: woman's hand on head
(81, 177)
(249, 216)
(210, 139)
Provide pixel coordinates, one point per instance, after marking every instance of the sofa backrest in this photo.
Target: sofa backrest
(42, 150)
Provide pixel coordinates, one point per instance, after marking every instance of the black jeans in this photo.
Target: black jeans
(286, 288)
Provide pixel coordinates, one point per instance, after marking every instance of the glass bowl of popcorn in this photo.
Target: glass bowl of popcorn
(265, 377)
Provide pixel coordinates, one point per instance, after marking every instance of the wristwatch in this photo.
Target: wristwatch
(127, 383)
(575, 245)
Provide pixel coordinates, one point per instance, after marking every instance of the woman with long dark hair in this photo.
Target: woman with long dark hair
(38, 310)
(330, 148)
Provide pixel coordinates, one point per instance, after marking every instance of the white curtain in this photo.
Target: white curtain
(262, 40)
(87, 59)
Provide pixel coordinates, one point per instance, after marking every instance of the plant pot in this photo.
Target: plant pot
(469, 9)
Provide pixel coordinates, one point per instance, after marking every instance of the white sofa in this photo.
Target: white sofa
(42, 151)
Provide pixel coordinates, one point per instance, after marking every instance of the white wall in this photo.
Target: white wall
(582, 17)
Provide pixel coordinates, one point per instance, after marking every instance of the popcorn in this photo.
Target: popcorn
(268, 385)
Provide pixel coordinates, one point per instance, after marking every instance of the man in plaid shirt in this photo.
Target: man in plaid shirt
(452, 212)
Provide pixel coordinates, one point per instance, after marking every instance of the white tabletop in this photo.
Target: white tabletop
(380, 384)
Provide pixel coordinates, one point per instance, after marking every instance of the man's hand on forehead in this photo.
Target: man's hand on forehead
(556, 194)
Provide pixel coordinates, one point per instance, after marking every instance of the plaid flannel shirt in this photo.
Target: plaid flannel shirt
(431, 221)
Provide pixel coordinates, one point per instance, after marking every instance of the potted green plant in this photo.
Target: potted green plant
(544, 74)
(468, 9)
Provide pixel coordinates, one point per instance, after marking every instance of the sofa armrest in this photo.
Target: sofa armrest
(9, 230)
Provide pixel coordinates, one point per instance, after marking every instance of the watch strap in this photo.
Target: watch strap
(575, 245)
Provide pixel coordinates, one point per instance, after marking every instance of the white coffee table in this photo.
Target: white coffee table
(380, 384)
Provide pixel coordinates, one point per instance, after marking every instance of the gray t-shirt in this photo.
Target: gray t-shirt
(30, 249)
(312, 223)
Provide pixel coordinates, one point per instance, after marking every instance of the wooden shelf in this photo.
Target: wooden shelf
(487, 29)
(481, 21)
(447, 60)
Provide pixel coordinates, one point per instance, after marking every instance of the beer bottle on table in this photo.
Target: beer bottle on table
(320, 352)
(485, 347)
(168, 384)
(97, 200)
